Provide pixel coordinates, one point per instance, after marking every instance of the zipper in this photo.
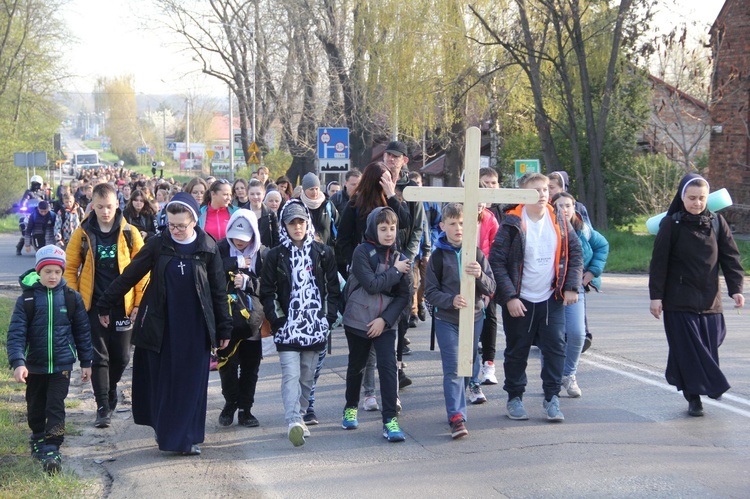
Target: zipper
(50, 326)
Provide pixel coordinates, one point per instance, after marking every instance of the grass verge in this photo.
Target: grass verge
(21, 476)
(631, 252)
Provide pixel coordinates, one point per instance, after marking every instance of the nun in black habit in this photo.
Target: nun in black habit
(691, 246)
(183, 313)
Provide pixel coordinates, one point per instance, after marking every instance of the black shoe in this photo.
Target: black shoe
(403, 379)
(246, 418)
(695, 406)
(586, 343)
(422, 312)
(18, 253)
(310, 418)
(102, 417)
(413, 321)
(406, 350)
(37, 446)
(407, 341)
(52, 461)
(226, 418)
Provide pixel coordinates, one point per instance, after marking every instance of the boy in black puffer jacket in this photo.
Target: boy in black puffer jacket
(41, 350)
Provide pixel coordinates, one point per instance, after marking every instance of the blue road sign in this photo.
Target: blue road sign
(172, 146)
(333, 143)
(143, 150)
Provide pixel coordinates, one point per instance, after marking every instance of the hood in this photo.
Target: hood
(371, 232)
(284, 234)
(563, 175)
(442, 243)
(252, 221)
(93, 223)
(677, 204)
(30, 280)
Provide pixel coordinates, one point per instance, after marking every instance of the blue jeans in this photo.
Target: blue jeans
(297, 371)
(318, 368)
(454, 386)
(575, 333)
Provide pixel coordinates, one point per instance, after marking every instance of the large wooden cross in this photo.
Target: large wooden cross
(470, 195)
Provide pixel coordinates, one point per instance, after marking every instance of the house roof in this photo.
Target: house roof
(696, 102)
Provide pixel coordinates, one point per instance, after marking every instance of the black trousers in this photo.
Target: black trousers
(359, 351)
(489, 333)
(239, 375)
(111, 355)
(45, 404)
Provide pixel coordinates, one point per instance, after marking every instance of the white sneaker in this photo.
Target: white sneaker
(296, 433)
(305, 430)
(475, 394)
(398, 405)
(371, 404)
(570, 384)
(487, 376)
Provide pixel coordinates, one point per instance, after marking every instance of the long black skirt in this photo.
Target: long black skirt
(693, 362)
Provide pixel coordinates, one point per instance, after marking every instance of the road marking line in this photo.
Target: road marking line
(665, 386)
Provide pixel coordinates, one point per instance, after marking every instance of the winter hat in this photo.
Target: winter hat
(49, 255)
(188, 201)
(294, 210)
(309, 181)
(239, 226)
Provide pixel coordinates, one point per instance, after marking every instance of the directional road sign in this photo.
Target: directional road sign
(524, 166)
(333, 149)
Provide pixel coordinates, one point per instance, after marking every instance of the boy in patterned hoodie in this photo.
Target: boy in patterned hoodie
(299, 289)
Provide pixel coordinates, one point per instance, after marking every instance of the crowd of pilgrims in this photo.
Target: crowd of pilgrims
(272, 260)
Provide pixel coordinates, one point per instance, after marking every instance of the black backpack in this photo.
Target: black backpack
(28, 304)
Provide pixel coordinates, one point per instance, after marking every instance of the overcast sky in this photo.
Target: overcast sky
(112, 41)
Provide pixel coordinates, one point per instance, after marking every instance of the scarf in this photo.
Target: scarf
(312, 204)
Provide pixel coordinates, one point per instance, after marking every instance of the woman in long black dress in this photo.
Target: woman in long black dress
(183, 313)
(690, 247)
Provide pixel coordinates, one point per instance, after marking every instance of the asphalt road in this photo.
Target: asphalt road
(629, 435)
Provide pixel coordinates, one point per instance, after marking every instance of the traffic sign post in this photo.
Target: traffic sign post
(524, 166)
(333, 150)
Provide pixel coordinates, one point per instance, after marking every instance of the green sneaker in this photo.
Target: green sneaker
(349, 421)
(392, 431)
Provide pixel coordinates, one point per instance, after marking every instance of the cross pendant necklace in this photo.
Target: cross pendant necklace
(182, 267)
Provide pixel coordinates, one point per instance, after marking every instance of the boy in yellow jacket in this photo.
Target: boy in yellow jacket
(98, 251)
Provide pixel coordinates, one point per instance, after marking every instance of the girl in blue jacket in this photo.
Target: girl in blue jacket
(595, 249)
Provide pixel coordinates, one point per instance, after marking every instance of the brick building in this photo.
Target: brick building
(679, 125)
(729, 156)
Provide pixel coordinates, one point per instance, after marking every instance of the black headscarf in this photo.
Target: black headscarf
(704, 218)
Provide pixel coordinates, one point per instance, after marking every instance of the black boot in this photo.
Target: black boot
(403, 379)
(695, 406)
(246, 418)
(226, 418)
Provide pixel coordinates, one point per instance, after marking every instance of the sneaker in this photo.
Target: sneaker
(475, 394)
(413, 321)
(552, 409)
(246, 418)
(226, 418)
(305, 430)
(103, 419)
(487, 376)
(570, 384)
(310, 418)
(370, 404)
(403, 379)
(406, 350)
(296, 434)
(516, 410)
(407, 341)
(392, 431)
(458, 428)
(52, 461)
(422, 312)
(349, 421)
(37, 445)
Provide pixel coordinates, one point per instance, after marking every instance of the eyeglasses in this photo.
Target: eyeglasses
(178, 227)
